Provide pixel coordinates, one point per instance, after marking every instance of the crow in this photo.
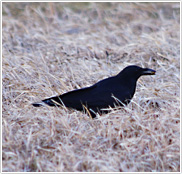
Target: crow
(109, 92)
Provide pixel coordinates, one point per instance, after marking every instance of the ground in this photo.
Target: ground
(51, 48)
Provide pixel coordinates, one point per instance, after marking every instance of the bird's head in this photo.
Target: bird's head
(136, 71)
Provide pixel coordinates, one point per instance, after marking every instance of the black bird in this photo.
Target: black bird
(110, 92)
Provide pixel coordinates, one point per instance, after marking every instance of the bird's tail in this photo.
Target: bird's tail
(53, 101)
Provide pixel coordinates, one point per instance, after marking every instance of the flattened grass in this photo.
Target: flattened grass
(51, 48)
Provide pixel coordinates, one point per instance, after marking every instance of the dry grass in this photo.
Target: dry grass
(51, 48)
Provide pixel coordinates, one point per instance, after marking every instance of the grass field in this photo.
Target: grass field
(51, 48)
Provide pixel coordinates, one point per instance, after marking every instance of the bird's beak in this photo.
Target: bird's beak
(148, 71)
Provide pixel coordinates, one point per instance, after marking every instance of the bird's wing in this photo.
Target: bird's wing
(90, 96)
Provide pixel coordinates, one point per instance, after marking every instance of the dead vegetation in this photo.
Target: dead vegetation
(51, 48)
